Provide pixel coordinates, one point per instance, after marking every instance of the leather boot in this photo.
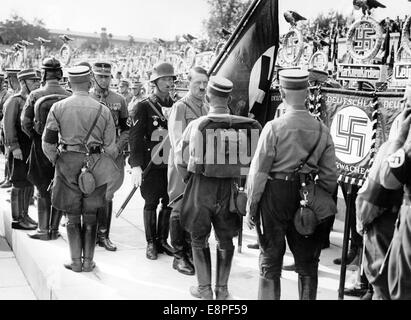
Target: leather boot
(43, 208)
(269, 289)
(28, 197)
(55, 223)
(89, 232)
(17, 207)
(150, 218)
(307, 287)
(163, 229)
(224, 259)
(104, 223)
(180, 262)
(351, 255)
(202, 264)
(75, 244)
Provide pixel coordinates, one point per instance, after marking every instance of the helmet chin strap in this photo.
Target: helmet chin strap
(103, 90)
(27, 87)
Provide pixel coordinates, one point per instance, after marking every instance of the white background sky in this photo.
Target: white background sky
(160, 18)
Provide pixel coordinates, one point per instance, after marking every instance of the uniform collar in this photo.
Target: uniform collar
(194, 101)
(80, 93)
(52, 83)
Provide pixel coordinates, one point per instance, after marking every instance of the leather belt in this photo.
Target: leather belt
(290, 176)
(82, 149)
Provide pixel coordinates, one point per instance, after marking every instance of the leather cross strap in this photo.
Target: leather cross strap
(192, 110)
(92, 126)
(303, 162)
(162, 117)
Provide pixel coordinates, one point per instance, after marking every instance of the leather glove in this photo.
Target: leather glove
(17, 154)
(136, 176)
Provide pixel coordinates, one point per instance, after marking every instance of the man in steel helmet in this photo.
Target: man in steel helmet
(41, 171)
(148, 129)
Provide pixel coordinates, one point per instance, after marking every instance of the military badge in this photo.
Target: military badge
(397, 159)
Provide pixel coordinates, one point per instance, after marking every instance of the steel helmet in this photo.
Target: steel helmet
(162, 69)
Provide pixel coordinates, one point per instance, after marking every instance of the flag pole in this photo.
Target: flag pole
(234, 35)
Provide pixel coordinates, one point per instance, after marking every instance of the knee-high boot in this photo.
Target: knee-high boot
(104, 222)
(224, 259)
(269, 289)
(28, 197)
(17, 210)
(202, 264)
(162, 232)
(307, 287)
(43, 209)
(55, 223)
(177, 235)
(89, 232)
(150, 217)
(75, 244)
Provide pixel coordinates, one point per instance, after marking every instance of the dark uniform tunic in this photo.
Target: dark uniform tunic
(118, 107)
(149, 127)
(15, 138)
(41, 171)
(72, 119)
(283, 143)
(395, 175)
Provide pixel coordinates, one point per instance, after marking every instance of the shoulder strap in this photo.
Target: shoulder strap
(155, 110)
(303, 162)
(92, 126)
(191, 108)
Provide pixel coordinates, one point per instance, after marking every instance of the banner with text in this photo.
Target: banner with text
(359, 123)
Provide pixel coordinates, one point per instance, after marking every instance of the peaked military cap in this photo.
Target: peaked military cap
(102, 68)
(219, 86)
(293, 79)
(79, 74)
(136, 84)
(124, 82)
(11, 72)
(51, 63)
(28, 74)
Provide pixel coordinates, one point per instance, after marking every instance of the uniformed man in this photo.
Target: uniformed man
(77, 131)
(149, 126)
(102, 77)
(189, 108)
(138, 95)
(206, 201)
(273, 188)
(395, 175)
(18, 145)
(41, 171)
(124, 90)
(4, 94)
(13, 86)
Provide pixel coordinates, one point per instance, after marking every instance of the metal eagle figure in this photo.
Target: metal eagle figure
(293, 17)
(367, 5)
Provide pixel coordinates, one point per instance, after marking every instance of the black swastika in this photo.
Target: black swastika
(350, 135)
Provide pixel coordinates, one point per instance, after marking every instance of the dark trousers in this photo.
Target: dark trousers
(278, 205)
(377, 239)
(154, 188)
(356, 238)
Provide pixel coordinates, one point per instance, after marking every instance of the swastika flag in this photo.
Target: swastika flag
(248, 59)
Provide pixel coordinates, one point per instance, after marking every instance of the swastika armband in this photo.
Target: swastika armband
(400, 166)
(51, 136)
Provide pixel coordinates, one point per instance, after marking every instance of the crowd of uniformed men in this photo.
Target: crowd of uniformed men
(54, 134)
